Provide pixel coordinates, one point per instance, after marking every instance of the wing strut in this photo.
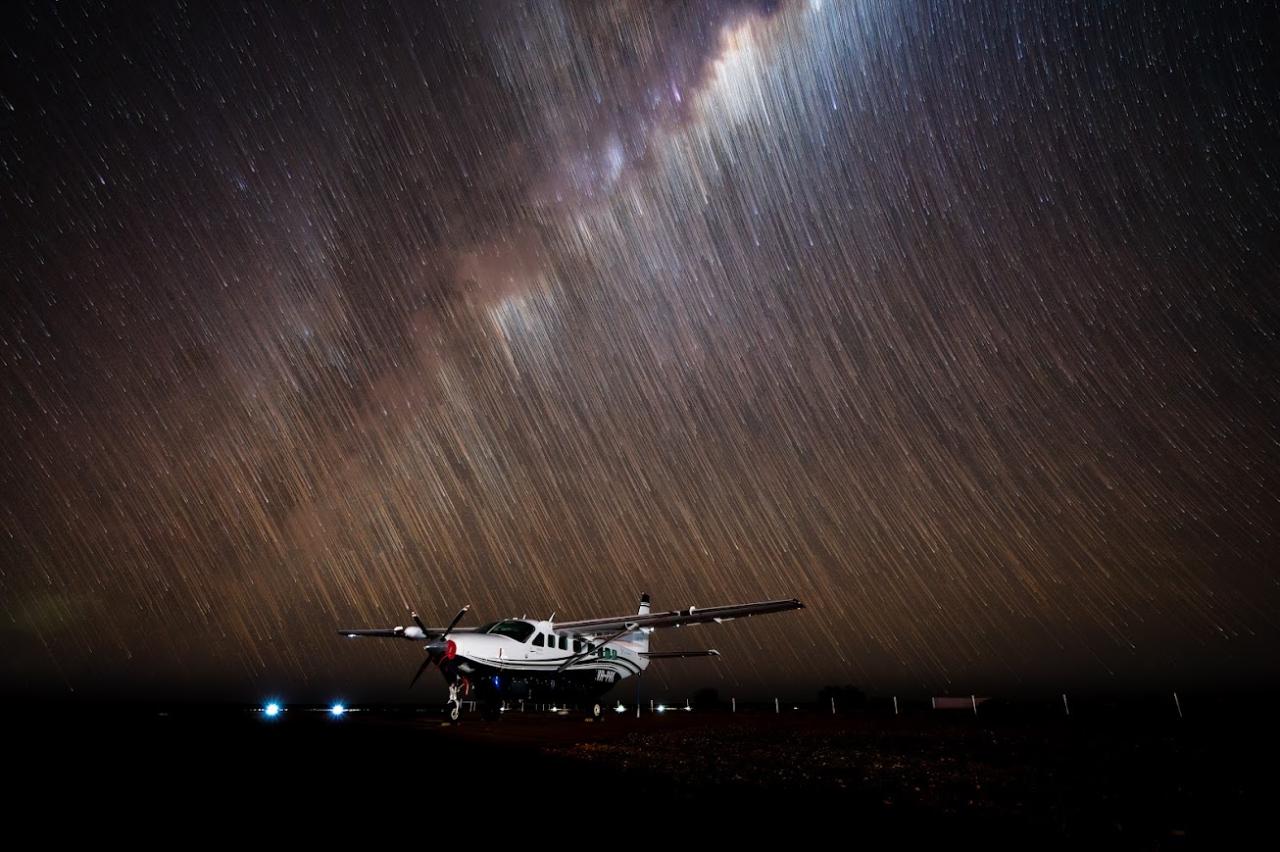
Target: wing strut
(626, 629)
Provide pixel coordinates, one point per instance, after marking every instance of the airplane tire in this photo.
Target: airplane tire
(595, 711)
(455, 710)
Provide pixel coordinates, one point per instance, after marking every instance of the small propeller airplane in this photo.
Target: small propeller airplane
(570, 661)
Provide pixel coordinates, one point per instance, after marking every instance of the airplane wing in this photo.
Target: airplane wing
(677, 618)
(387, 632)
(415, 634)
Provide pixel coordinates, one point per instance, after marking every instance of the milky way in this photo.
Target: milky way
(955, 320)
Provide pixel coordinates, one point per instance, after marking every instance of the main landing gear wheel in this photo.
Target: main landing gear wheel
(595, 711)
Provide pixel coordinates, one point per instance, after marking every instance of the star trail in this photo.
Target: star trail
(955, 320)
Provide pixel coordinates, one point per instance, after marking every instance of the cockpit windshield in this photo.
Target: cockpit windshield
(517, 630)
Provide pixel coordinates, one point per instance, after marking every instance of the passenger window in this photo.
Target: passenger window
(537, 640)
(564, 643)
(577, 646)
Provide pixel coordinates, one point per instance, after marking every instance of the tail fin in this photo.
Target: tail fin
(640, 638)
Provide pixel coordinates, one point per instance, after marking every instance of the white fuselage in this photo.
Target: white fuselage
(545, 651)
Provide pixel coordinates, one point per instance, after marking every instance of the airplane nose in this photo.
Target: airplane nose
(441, 651)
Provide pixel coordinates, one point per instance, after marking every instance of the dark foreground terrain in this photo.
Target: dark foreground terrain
(1132, 781)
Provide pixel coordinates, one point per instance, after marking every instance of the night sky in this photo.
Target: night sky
(956, 320)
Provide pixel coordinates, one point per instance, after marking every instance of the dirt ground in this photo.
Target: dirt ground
(1129, 783)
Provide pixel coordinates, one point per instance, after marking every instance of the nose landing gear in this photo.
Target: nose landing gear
(453, 707)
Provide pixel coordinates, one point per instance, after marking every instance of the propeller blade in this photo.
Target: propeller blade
(417, 621)
(426, 664)
(456, 619)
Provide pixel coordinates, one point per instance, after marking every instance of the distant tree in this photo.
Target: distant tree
(848, 697)
(707, 698)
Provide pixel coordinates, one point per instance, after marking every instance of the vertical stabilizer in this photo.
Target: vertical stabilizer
(640, 639)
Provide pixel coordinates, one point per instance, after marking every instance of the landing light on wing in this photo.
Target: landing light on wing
(272, 710)
(337, 709)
